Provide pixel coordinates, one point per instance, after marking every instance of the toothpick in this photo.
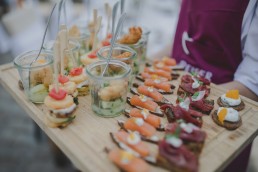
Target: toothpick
(108, 13)
(96, 30)
(62, 42)
(56, 57)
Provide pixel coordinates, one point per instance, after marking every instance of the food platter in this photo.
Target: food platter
(84, 140)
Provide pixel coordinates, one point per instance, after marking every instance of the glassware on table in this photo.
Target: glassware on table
(108, 92)
(36, 77)
(84, 41)
(122, 53)
(71, 55)
(141, 49)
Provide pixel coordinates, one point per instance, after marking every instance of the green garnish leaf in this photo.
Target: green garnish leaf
(75, 100)
(196, 94)
(70, 119)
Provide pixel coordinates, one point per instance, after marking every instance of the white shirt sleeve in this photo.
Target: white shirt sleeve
(247, 71)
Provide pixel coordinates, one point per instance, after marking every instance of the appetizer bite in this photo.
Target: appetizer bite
(158, 72)
(175, 113)
(134, 35)
(89, 57)
(197, 102)
(174, 156)
(190, 88)
(132, 142)
(153, 120)
(231, 99)
(228, 118)
(192, 78)
(142, 102)
(78, 76)
(164, 87)
(146, 130)
(65, 84)
(191, 135)
(61, 108)
(126, 161)
(150, 92)
(144, 75)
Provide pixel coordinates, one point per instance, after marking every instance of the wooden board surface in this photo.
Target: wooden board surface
(84, 140)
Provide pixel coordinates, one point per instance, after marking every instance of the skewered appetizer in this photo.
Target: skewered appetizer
(89, 58)
(126, 161)
(66, 85)
(175, 113)
(231, 99)
(61, 108)
(197, 102)
(150, 92)
(228, 118)
(174, 156)
(153, 120)
(192, 136)
(78, 76)
(142, 102)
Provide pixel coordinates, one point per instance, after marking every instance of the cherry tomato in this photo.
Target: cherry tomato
(57, 95)
(92, 55)
(63, 79)
(76, 71)
(109, 36)
(105, 43)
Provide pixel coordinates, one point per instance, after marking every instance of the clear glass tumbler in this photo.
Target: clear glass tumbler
(71, 55)
(108, 92)
(122, 53)
(36, 76)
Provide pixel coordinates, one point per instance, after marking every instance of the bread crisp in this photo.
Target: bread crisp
(239, 107)
(228, 125)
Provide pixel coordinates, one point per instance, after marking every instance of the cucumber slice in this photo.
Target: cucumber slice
(38, 93)
(112, 104)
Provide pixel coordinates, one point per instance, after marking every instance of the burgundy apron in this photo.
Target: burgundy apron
(208, 37)
(208, 41)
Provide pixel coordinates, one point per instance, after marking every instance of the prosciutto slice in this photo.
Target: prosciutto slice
(187, 87)
(196, 135)
(180, 157)
(174, 113)
(188, 79)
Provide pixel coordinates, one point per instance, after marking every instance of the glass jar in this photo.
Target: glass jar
(108, 92)
(120, 53)
(84, 41)
(36, 76)
(71, 55)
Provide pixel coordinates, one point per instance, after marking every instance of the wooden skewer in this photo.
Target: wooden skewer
(62, 39)
(56, 57)
(96, 30)
(108, 13)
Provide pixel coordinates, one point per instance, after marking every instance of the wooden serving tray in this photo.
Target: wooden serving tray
(84, 140)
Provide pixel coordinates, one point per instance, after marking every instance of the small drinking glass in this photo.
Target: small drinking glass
(71, 55)
(122, 53)
(36, 76)
(108, 91)
(84, 41)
